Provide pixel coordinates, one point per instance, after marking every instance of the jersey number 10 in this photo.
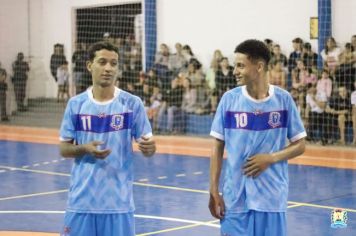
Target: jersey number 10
(241, 120)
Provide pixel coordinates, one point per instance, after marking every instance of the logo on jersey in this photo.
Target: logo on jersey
(338, 218)
(66, 231)
(101, 115)
(274, 119)
(117, 122)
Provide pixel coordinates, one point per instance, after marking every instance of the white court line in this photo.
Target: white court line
(180, 175)
(162, 177)
(136, 215)
(198, 173)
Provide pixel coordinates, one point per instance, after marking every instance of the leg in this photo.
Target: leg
(79, 224)
(115, 224)
(170, 117)
(354, 124)
(341, 122)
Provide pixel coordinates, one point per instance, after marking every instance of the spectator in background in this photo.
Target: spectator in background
(278, 56)
(315, 114)
(353, 44)
(210, 78)
(177, 61)
(346, 72)
(161, 65)
(3, 89)
(63, 80)
(277, 76)
(224, 79)
(353, 104)
(330, 55)
(301, 77)
(296, 54)
(57, 59)
(324, 84)
(79, 59)
(310, 58)
(20, 75)
(187, 53)
(339, 111)
(269, 44)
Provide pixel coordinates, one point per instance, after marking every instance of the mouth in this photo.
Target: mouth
(106, 76)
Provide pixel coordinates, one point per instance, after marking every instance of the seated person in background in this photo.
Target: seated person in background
(3, 89)
(353, 103)
(301, 77)
(346, 72)
(278, 56)
(224, 77)
(277, 76)
(339, 112)
(324, 84)
(309, 57)
(315, 114)
(330, 55)
(62, 81)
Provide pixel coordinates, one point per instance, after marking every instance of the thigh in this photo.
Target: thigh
(79, 224)
(270, 223)
(254, 223)
(236, 224)
(115, 224)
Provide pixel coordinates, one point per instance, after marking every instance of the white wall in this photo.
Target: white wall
(205, 25)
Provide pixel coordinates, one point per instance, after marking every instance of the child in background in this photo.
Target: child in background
(63, 78)
(3, 89)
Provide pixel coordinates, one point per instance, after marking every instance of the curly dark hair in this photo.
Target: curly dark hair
(254, 50)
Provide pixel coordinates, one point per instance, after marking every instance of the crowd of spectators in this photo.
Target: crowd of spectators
(178, 84)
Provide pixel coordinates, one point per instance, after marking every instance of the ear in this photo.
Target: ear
(89, 64)
(261, 66)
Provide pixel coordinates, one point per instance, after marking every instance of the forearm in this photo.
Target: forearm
(293, 150)
(216, 165)
(71, 150)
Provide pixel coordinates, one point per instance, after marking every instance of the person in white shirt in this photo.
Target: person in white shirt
(316, 103)
(353, 103)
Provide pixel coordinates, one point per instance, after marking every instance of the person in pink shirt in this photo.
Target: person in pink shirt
(324, 84)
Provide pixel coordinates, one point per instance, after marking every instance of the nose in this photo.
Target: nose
(108, 67)
(236, 71)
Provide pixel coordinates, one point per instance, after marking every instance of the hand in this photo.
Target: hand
(147, 146)
(92, 149)
(216, 205)
(255, 165)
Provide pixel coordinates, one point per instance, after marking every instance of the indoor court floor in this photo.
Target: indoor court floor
(170, 189)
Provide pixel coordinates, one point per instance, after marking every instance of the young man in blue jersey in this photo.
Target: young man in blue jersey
(97, 131)
(253, 122)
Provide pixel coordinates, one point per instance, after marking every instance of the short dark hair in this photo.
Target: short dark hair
(297, 40)
(307, 46)
(99, 46)
(254, 49)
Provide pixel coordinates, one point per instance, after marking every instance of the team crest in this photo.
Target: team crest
(66, 231)
(274, 119)
(117, 122)
(338, 218)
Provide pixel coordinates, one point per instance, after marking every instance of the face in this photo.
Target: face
(353, 41)
(342, 92)
(276, 50)
(104, 68)
(330, 43)
(246, 70)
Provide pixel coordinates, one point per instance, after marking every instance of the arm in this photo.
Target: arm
(255, 165)
(216, 202)
(70, 150)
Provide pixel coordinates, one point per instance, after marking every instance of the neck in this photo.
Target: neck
(102, 94)
(258, 90)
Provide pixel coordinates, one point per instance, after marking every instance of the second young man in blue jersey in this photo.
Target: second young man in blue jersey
(253, 122)
(97, 130)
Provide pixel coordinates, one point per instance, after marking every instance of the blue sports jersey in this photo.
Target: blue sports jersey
(104, 186)
(249, 127)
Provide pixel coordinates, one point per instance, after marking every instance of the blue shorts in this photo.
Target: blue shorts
(254, 223)
(87, 224)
